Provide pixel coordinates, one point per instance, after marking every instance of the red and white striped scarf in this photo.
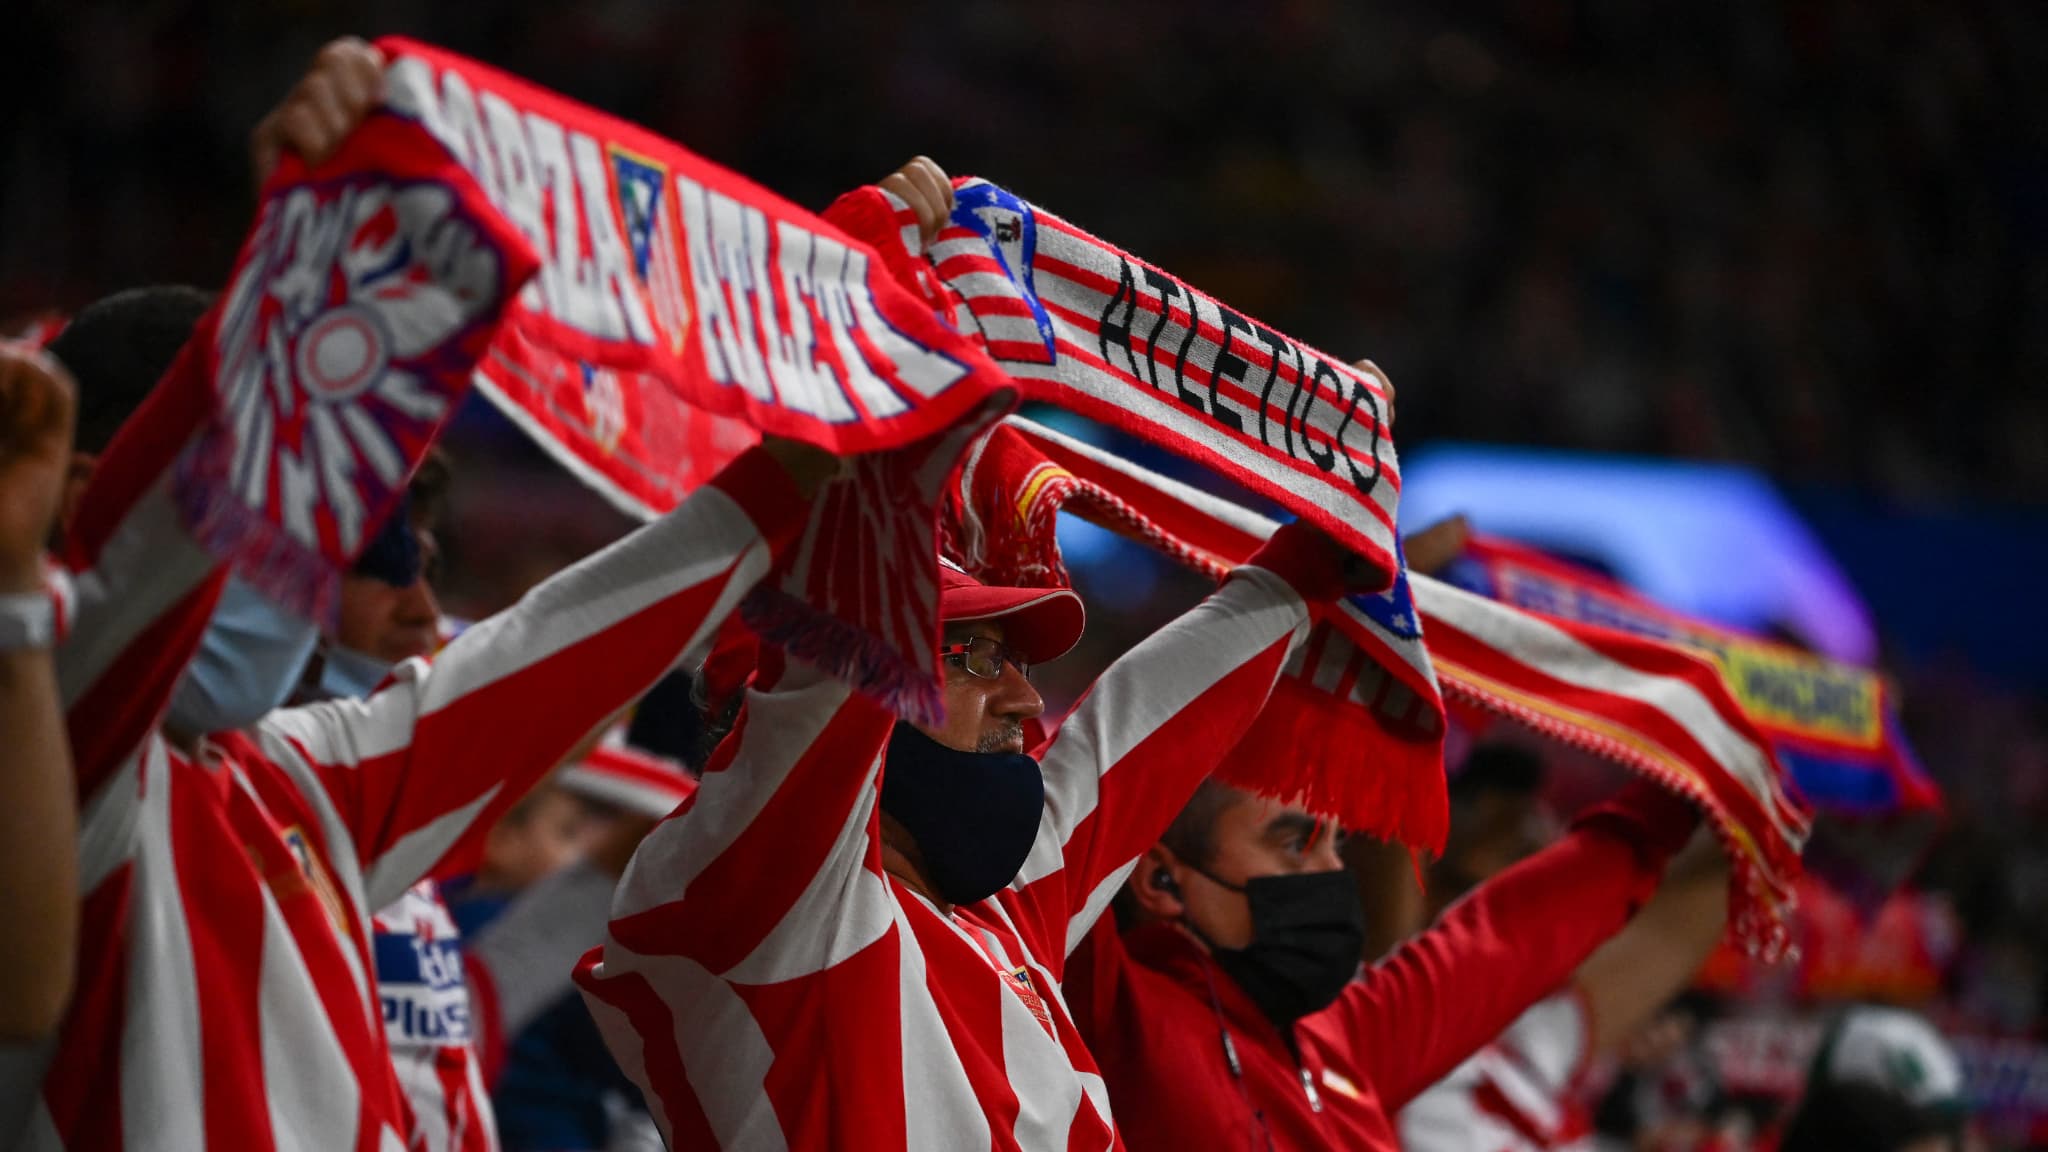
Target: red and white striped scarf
(1362, 686)
(1083, 325)
(361, 301)
(1654, 708)
(680, 313)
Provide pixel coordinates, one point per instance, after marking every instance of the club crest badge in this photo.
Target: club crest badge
(648, 211)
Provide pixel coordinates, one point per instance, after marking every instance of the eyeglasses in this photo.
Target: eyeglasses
(984, 656)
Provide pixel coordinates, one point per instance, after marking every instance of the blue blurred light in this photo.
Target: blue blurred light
(1712, 540)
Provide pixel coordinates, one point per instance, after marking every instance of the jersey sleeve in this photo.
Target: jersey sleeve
(773, 869)
(142, 588)
(417, 772)
(1513, 941)
(1153, 726)
(762, 896)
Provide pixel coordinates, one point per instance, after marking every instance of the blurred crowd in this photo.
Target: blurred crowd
(1806, 235)
(1812, 237)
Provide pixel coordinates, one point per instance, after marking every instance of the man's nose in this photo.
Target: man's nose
(1326, 857)
(416, 603)
(1014, 697)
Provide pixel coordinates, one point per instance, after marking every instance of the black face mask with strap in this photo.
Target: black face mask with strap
(974, 815)
(1308, 936)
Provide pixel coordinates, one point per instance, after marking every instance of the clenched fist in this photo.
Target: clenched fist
(36, 409)
(345, 81)
(924, 186)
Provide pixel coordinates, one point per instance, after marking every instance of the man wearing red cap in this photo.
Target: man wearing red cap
(854, 936)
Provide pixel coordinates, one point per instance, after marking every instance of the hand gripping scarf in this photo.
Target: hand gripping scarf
(1835, 728)
(1082, 325)
(680, 313)
(1653, 708)
(358, 307)
(1360, 689)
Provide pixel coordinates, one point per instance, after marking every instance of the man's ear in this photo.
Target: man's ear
(1155, 884)
(83, 465)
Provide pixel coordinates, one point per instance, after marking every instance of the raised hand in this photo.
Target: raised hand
(37, 401)
(343, 83)
(924, 186)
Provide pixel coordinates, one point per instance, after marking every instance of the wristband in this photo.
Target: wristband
(27, 620)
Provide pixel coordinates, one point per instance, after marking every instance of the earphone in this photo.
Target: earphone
(1164, 881)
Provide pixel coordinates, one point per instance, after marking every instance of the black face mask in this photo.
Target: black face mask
(974, 814)
(1308, 936)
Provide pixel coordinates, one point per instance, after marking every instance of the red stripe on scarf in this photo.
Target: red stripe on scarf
(682, 312)
(1655, 696)
(1360, 746)
(359, 305)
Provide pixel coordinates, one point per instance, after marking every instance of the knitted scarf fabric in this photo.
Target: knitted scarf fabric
(359, 305)
(682, 312)
(1652, 707)
(1360, 692)
(1834, 727)
(1083, 325)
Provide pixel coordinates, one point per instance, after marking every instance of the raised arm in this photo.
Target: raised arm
(145, 588)
(1633, 975)
(780, 838)
(769, 878)
(38, 814)
(419, 770)
(1158, 722)
(1511, 942)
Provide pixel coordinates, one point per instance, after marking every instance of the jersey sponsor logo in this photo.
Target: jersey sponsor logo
(419, 973)
(1019, 980)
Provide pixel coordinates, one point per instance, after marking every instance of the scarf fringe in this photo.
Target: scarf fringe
(268, 558)
(844, 651)
(1340, 762)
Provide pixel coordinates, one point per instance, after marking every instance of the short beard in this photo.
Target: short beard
(1002, 739)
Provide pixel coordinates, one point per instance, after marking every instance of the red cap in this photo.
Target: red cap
(1040, 623)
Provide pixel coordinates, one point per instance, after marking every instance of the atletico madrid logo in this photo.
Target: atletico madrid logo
(648, 212)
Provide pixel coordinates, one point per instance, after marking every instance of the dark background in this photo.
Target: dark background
(1806, 235)
(1810, 237)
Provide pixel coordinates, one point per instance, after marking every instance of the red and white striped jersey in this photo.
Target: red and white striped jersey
(224, 997)
(768, 985)
(427, 1020)
(1515, 1094)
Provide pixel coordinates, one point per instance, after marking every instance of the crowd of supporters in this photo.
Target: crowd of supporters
(322, 888)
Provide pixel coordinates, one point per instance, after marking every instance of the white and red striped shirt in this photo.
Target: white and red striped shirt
(1515, 1094)
(225, 994)
(768, 985)
(427, 1020)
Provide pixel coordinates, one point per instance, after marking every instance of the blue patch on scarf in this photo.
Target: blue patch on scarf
(1394, 609)
(1008, 226)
